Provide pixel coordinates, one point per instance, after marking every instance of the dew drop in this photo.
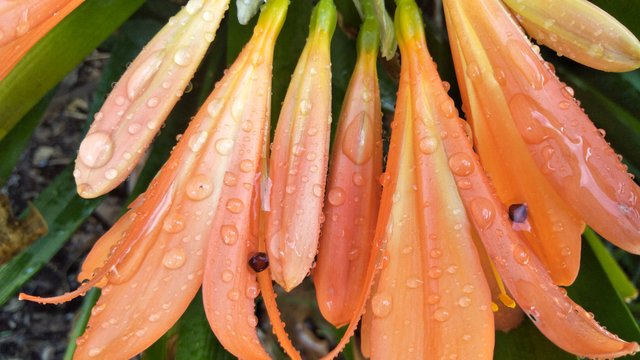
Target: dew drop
(93, 352)
(174, 258)
(428, 144)
(483, 212)
(233, 294)
(111, 174)
(464, 301)
(235, 205)
(182, 57)
(461, 164)
(198, 140)
(229, 234)
(529, 66)
(134, 129)
(317, 190)
(142, 75)
(358, 140)
(336, 196)
(441, 315)
(173, 223)
(224, 146)
(520, 255)
(414, 282)
(227, 275)
(230, 179)
(153, 102)
(381, 305)
(96, 150)
(199, 187)
(246, 165)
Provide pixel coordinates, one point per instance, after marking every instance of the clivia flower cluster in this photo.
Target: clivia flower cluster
(433, 253)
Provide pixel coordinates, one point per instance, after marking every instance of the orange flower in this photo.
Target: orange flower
(536, 142)
(431, 297)
(581, 31)
(354, 191)
(23, 23)
(298, 164)
(194, 224)
(143, 97)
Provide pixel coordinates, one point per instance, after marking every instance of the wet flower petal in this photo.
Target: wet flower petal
(354, 190)
(563, 143)
(143, 97)
(298, 164)
(23, 23)
(581, 31)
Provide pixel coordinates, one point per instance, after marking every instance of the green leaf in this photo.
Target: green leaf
(64, 211)
(625, 288)
(527, 343)
(14, 144)
(56, 54)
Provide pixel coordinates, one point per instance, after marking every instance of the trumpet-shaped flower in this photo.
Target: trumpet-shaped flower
(354, 191)
(581, 31)
(430, 297)
(143, 97)
(193, 225)
(536, 142)
(23, 23)
(298, 163)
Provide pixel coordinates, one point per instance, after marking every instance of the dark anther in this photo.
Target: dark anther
(518, 213)
(259, 262)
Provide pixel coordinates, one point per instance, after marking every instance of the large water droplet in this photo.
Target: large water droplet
(229, 234)
(198, 140)
(199, 187)
(483, 212)
(358, 139)
(381, 305)
(461, 164)
(96, 150)
(227, 276)
(182, 56)
(235, 205)
(520, 255)
(174, 258)
(336, 196)
(428, 144)
(224, 146)
(173, 223)
(441, 315)
(142, 75)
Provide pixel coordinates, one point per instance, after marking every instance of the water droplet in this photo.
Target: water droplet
(473, 70)
(433, 299)
(468, 289)
(173, 223)
(214, 107)
(381, 305)
(435, 272)
(448, 108)
(224, 146)
(529, 118)
(483, 212)
(207, 16)
(233, 294)
(230, 179)
(142, 75)
(193, 6)
(336, 196)
(464, 301)
(182, 56)
(252, 320)
(246, 165)
(174, 258)
(461, 164)
(154, 317)
(96, 150)
(414, 282)
(520, 255)
(227, 276)
(441, 315)
(435, 253)
(252, 291)
(198, 140)
(199, 187)
(153, 102)
(229, 234)
(120, 100)
(358, 140)
(317, 190)
(529, 65)
(235, 205)
(428, 144)
(134, 128)
(111, 174)
(98, 309)
(93, 352)
(305, 106)
(247, 125)
(358, 179)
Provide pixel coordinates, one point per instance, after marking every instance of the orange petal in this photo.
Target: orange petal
(564, 144)
(552, 228)
(230, 286)
(432, 285)
(143, 97)
(298, 164)
(354, 190)
(581, 31)
(23, 23)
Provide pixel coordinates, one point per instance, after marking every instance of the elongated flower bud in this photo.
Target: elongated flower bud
(503, 73)
(354, 190)
(23, 23)
(581, 31)
(298, 164)
(141, 100)
(151, 263)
